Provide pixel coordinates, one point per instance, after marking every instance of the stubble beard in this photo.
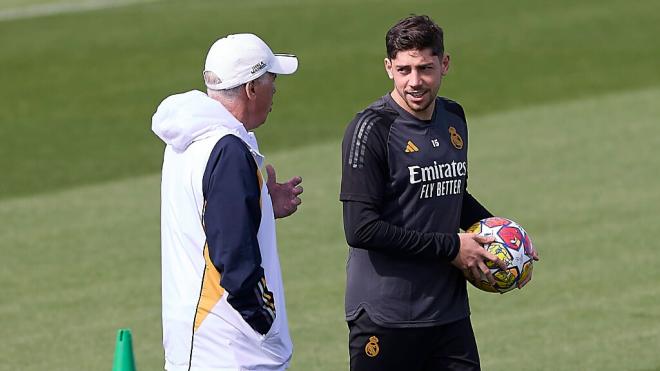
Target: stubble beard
(419, 108)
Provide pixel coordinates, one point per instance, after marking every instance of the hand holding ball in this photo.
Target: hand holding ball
(513, 246)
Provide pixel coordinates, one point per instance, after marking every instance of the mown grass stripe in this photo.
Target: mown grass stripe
(43, 10)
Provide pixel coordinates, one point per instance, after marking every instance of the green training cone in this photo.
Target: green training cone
(124, 360)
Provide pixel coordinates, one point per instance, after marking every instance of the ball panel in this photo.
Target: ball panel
(512, 236)
(495, 221)
(506, 279)
(501, 252)
(475, 228)
(484, 286)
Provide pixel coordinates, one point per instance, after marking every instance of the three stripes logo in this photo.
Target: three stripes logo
(411, 147)
(267, 298)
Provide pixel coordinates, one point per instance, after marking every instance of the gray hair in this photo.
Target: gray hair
(210, 78)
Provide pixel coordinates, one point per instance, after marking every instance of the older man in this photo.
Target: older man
(223, 300)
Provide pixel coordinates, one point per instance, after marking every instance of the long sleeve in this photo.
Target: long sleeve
(365, 229)
(232, 215)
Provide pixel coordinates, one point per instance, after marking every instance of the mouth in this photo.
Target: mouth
(416, 94)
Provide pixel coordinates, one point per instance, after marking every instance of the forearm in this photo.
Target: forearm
(365, 229)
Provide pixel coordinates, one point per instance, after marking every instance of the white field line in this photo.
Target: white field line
(41, 10)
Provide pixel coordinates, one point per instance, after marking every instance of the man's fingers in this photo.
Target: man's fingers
(481, 271)
(535, 255)
(483, 239)
(499, 262)
(295, 181)
(486, 272)
(270, 172)
(476, 274)
(297, 201)
(297, 190)
(531, 251)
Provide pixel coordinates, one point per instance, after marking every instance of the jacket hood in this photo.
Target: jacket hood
(184, 118)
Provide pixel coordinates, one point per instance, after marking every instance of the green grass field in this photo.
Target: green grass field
(562, 104)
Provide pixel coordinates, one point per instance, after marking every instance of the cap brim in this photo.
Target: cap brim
(284, 64)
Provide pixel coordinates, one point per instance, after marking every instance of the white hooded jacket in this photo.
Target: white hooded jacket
(201, 330)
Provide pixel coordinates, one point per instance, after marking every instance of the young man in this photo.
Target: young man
(404, 193)
(223, 300)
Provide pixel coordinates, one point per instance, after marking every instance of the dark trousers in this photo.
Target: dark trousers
(446, 347)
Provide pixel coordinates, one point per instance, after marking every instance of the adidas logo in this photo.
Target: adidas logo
(411, 147)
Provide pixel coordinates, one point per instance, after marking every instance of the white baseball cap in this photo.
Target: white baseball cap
(240, 58)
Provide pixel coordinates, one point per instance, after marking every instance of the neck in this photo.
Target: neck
(236, 108)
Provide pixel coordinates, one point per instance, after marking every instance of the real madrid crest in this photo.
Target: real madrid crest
(372, 348)
(456, 139)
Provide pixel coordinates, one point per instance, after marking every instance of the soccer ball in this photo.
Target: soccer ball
(512, 245)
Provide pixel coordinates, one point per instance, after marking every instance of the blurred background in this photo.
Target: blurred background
(562, 104)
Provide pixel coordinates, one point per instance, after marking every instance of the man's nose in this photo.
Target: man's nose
(415, 79)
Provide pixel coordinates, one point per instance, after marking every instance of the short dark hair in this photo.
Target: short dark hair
(415, 32)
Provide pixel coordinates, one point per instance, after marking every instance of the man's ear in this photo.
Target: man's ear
(444, 64)
(388, 68)
(250, 90)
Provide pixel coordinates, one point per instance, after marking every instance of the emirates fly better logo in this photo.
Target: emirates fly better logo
(438, 179)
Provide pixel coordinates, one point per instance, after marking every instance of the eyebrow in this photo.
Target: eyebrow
(411, 66)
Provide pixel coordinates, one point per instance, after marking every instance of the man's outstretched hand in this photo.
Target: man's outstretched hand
(284, 195)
